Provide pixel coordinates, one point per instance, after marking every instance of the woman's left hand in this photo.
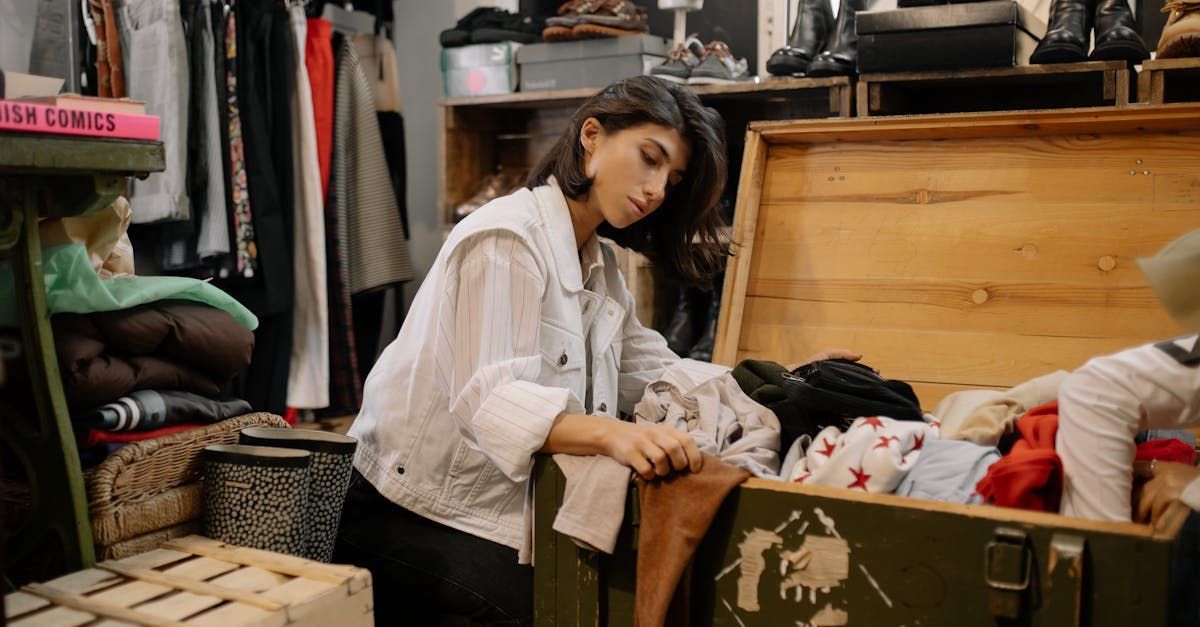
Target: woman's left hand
(829, 353)
(1167, 482)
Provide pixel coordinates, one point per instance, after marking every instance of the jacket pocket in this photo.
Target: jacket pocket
(476, 485)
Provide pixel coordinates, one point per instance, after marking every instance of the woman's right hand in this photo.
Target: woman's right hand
(652, 450)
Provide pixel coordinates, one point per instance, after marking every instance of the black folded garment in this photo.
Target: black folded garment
(491, 25)
(146, 410)
(836, 391)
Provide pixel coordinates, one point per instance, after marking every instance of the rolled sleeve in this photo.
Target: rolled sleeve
(1191, 495)
(488, 354)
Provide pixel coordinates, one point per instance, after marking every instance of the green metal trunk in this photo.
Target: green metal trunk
(882, 560)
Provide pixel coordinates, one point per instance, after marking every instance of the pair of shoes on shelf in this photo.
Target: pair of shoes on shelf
(490, 25)
(590, 19)
(1181, 35)
(694, 63)
(819, 44)
(279, 489)
(1072, 24)
(502, 183)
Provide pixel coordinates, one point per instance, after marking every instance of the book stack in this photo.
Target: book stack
(73, 114)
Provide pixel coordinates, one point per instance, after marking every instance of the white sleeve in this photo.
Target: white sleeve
(488, 352)
(1102, 406)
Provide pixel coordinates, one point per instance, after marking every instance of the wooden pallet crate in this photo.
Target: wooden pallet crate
(1059, 86)
(195, 581)
(1169, 80)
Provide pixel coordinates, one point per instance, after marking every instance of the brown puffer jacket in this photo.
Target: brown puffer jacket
(165, 345)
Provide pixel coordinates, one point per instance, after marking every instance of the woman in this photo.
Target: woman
(522, 340)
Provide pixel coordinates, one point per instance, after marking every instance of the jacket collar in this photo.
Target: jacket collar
(552, 205)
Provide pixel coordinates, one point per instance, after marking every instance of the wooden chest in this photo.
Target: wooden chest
(195, 581)
(954, 252)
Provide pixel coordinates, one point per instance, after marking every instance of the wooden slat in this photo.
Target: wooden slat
(286, 564)
(56, 617)
(971, 359)
(251, 579)
(98, 608)
(737, 274)
(188, 584)
(236, 614)
(154, 558)
(1083, 122)
(298, 590)
(198, 569)
(18, 603)
(1033, 309)
(930, 394)
(568, 97)
(84, 581)
(179, 605)
(132, 593)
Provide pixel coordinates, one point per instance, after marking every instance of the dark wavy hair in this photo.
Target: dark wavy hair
(684, 236)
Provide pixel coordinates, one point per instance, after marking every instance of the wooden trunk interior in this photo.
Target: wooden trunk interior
(959, 251)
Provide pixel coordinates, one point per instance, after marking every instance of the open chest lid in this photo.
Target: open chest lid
(958, 251)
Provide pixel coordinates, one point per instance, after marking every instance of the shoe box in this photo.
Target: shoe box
(994, 33)
(588, 62)
(480, 69)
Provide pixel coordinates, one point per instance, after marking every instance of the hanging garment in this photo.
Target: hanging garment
(213, 237)
(242, 215)
(378, 59)
(318, 57)
(156, 59)
(375, 240)
(308, 372)
(266, 56)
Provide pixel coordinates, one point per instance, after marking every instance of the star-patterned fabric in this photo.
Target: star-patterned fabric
(873, 455)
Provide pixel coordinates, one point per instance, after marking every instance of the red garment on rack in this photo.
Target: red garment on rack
(1030, 476)
(318, 58)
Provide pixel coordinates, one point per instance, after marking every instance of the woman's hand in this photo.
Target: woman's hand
(1167, 481)
(829, 353)
(652, 450)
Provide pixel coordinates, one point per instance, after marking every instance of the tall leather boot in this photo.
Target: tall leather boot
(683, 329)
(1066, 39)
(1116, 40)
(703, 350)
(840, 58)
(812, 28)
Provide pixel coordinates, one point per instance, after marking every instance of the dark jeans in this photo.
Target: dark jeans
(426, 573)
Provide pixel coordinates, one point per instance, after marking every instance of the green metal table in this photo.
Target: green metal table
(51, 177)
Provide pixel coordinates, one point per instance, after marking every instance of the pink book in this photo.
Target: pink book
(28, 117)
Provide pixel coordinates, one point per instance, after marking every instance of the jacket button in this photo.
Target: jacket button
(400, 470)
(603, 407)
(562, 359)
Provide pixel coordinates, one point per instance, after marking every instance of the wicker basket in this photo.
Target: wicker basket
(153, 484)
(145, 542)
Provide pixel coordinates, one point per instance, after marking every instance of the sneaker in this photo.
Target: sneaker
(680, 61)
(719, 66)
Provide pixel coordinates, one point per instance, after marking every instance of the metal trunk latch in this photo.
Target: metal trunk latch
(1007, 566)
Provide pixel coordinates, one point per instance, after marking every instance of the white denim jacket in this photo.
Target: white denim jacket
(491, 352)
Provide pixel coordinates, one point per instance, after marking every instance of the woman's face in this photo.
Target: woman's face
(633, 169)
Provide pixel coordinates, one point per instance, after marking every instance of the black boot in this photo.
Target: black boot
(682, 331)
(703, 350)
(841, 57)
(1116, 40)
(1066, 39)
(813, 27)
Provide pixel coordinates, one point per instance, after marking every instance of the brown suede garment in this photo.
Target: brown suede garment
(675, 514)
